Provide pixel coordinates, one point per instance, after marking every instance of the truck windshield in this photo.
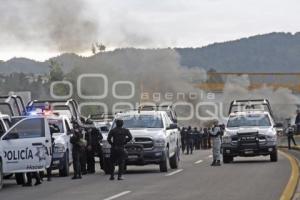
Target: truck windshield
(142, 121)
(249, 120)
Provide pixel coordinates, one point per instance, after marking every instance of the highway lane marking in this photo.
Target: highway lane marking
(175, 172)
(199, 161)
(118, 195)
(291, 186)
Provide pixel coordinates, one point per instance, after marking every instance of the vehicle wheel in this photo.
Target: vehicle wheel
(65, 171)
(163, 166)
(227, 159)
(106, 165)
(174, 160)
(20, 178)
(1, 175)
(274, 156)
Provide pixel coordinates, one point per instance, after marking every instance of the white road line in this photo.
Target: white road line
(199, 161)
(117, 195)
(175, 172)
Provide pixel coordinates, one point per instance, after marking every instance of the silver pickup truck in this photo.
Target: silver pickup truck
(156, 139)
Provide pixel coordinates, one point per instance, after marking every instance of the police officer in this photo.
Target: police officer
(183, 138)
(196, 134)
(189, 141)
(93, 138)
(118, 137)
(76, 150)
(205, 138)
(290, 134)
(216, 145)
(297, 122)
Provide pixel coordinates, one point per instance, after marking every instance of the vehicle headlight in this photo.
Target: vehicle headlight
(159, 143)
(271, 138)
(59, 148)
(226, 139)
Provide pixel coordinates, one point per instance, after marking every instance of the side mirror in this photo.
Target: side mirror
(11, 136)
(172, 126)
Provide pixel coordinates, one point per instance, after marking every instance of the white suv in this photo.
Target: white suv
(156, 139)
(249, 133)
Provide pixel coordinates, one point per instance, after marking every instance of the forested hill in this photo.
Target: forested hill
(274, 52)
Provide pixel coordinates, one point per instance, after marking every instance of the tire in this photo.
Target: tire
(174, 160)
(106, 165)
(274, 156)
(163, 166)
(19, 178)
(227, 159)
(65, 171)
(1, 174)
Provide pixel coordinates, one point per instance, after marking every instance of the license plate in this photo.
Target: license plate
(248, 151)
(56, 162)
(251, 138)
(132, 157)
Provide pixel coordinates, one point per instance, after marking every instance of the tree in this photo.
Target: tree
(56, 73)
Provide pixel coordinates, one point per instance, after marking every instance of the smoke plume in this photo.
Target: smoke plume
(58, 25)
(282, 100)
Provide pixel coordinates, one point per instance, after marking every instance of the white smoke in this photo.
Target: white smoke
(283, 101)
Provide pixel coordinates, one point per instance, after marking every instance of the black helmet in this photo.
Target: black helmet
(119, 122)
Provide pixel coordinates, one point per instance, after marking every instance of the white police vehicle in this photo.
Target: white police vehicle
(62, 152)
(156, 139)
(25, 147)
(249, 133)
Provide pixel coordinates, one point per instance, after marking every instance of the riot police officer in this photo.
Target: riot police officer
(77, 149)
(189, 141)
(183, 138)
(93, 138)
(118, 137)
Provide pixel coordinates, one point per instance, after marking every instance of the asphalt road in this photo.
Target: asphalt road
(246, 178)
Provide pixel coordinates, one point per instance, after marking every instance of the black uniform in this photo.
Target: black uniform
(189, 141)
(183, 136)
(93, 138)
(196, 134)
(297, 122)
(118, 137)
(76, 152)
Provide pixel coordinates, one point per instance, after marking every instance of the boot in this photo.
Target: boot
(213, 163)
(112, 178)
(120, 178)
(218, 163)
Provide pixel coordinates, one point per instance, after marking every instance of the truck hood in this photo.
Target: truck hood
(260, 130)
(148, 132)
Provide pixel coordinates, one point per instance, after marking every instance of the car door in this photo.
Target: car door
(26, 146)
(169, 133)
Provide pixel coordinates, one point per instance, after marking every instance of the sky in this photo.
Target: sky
(40, 29)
